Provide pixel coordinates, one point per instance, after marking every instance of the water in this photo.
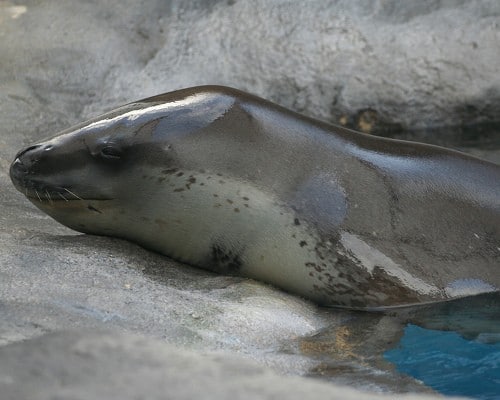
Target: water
(444, 359)
(448, 363)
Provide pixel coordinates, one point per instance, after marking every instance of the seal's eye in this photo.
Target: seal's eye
(111, 152)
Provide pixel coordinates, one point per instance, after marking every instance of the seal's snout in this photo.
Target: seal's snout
(21, 165)
(29, 156)
(24, 161)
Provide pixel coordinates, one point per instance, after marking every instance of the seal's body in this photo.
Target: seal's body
(223, 180)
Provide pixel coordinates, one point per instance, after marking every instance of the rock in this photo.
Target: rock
(110, 365)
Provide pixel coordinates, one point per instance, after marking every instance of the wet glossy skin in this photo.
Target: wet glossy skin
(226, 181)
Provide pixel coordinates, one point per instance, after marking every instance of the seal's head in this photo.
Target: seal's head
(83, 176)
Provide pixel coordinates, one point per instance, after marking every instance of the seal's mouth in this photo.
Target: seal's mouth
(58, 195)
(43, 193)
(62, 199)
(38, 190)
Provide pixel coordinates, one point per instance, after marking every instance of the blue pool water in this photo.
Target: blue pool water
(449, 363)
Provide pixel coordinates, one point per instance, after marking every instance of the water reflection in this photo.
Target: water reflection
(396, 350)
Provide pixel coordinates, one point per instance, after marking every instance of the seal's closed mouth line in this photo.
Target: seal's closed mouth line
(53, 200)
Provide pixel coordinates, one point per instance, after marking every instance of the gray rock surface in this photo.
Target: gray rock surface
(106, 365)
(423, 64)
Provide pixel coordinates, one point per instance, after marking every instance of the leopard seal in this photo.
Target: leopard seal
(224, 180)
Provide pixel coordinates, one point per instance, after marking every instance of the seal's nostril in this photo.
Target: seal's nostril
(18, 163)
(26, 150)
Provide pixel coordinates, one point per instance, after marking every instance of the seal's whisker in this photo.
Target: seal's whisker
(48, 196)
(71, 193)
(61, 196)
(37, 195)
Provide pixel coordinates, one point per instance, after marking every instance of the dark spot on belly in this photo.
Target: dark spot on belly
(237, 210)
(229, 201)
(245, 198)
(303, 243)
(179, 190)
(315, 266)
(179, 173)
(190, 181)
(296, 221)
(161, 179)
(224, 260)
